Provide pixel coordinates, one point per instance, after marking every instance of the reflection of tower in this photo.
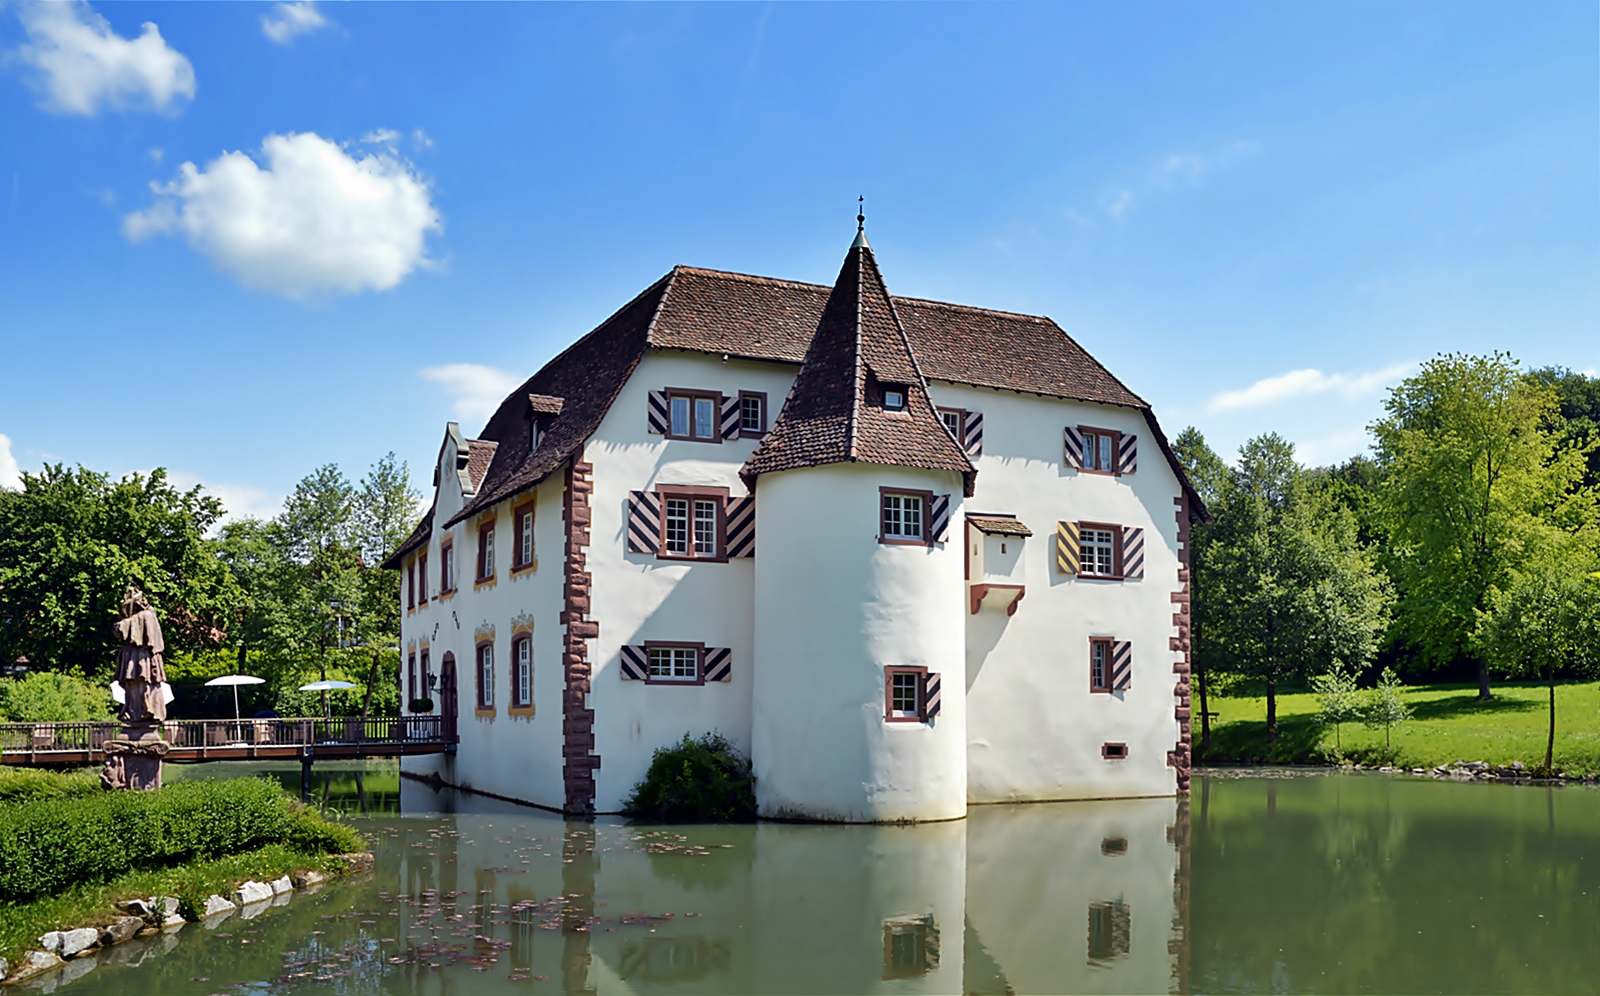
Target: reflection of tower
(577, 884)
(858, 711)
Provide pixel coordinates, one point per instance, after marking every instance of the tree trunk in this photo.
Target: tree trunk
(1205, 714)
(1483, 681)
(1550, 741)
(1272, 712)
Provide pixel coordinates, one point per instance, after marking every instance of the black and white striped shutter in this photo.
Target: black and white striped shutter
(719, 664)
(742, 526)
(939, 518)
(1133, 553)
(658, 420)
(635, 663)
(1121, 665)
(644, 522)
(930, 695)
(972, 433)
(732, 415)
(1128, 459)
(1072, 447)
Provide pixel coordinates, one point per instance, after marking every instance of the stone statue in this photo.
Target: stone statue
(133, 761)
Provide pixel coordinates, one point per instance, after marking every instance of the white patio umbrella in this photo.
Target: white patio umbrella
(325, 686)
(236, 680)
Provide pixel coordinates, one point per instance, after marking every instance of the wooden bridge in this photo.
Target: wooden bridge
(194, 741)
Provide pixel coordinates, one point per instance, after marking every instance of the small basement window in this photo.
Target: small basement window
(1113, 752)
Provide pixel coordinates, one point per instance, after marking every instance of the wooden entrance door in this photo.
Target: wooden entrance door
(448, 708)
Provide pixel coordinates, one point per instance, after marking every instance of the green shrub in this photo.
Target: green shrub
(51, 845)
(47, 697)
(310, 833)
(20, 785)
(695, 781)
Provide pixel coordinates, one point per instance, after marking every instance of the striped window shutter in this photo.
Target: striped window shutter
(1133, 553)
(644, 522)
(1128, 458)
(657, 419)
(719, 664)
(939, 518)
(1072, 447)
(1121, 665)
(1067, 551)
(742, 526)
(731, 412)
(930, 695)
(635, 663)
(972, 432)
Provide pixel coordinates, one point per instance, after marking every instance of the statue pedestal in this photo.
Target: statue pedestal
(134, 760)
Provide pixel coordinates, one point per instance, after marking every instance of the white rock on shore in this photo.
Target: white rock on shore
(252, 892)
(215, 905)
(75, 942)
(32, 964)
(282, 885)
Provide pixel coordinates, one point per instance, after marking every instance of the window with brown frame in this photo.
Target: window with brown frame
(676, 663)
(1100, 547)
(1100, 450)
(955, 419)
(752, 414)
(1114, 752)
(522, 536)
(485, 676)
(427, 677)
(422, 578)
(903, 516)
(411, 585)
(904, 695)
(522, 672)
(411, 677)
(486, 551)
(1100, 664)
(694, 415)
(694, 522)
(447, 567)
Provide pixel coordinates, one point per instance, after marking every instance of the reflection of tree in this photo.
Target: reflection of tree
(1372, 884)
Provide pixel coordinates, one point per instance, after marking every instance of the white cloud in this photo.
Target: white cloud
(475, 390)
(155, 155)
(82, 65)
(1301, 383)
(241, 500)
(316, 220)
(1120, 203)
(290, 20)
(10, 473)
(1333, 448)
(381, 136)
(422, 138)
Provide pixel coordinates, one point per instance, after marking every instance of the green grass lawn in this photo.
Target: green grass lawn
(1448, 724)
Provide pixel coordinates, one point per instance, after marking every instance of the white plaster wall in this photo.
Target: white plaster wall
(518, 757)
(833, 606)
(636, 597)
(1033, 873)
(1034, 729)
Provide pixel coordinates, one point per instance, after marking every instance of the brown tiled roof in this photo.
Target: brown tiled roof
(480, 453)
(835, 412)
(543, 404)
(998, 526)
(763, 318)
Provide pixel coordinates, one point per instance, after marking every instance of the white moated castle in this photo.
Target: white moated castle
(908, 555)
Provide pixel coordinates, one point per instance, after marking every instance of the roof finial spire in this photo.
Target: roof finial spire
(861, 223)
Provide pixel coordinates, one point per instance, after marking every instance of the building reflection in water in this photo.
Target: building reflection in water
(1070, 897)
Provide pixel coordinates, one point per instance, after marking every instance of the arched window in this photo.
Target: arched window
(485, 676)
(522, 671)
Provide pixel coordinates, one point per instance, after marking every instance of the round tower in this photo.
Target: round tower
(859, 685)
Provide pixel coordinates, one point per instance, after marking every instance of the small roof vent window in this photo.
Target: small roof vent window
(894, 398)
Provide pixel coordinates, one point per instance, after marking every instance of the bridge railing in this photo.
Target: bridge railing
(205, 734)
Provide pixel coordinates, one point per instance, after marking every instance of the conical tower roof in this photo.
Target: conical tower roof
(835, 412)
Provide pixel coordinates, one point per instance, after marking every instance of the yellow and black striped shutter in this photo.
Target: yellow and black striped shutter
(1067, 548)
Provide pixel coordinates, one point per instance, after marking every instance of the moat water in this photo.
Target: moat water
(1300, 883)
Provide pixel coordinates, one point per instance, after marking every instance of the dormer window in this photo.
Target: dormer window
(894, 399)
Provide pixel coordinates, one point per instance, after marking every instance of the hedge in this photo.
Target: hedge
(695, 781)
(50, 845)
(24, 785)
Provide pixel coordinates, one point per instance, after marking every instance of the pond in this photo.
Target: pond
(1286, 882)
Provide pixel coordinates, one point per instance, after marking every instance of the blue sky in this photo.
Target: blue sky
(256, 238)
